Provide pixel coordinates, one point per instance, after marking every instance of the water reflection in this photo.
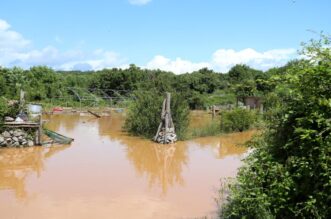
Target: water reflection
(18, 163)
(228, 144)
(68, 122)
(162, 164)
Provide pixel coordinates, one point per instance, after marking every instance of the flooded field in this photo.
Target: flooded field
(105, 173)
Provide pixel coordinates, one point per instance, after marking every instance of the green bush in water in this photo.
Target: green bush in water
(238, 120)
(144, 114)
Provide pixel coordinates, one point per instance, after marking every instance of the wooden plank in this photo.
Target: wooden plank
(20, 124)
(94, 114)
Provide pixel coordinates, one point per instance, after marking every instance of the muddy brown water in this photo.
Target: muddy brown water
(105, 173)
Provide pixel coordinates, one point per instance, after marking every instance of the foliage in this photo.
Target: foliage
(201, 88)
(218, 98)
(7, 110)
(3, 108)
(288, 174)
(210, 129)
(144, 114)
(238, 120)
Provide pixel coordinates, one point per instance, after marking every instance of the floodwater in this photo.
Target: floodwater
(105, 173)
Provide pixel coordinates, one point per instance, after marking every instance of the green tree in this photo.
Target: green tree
(288, 174)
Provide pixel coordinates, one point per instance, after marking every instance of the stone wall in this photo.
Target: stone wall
(16, 138)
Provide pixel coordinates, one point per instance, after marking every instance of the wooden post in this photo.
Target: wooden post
(40, 131)
(261, 108)
(213, 111)
(22, 101)
(167, 111)
(166, 130)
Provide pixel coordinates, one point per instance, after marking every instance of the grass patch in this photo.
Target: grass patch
(211, 129)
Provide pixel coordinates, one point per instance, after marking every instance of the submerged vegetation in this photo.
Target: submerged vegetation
(210, 129)
(144, 114)
(288, 174)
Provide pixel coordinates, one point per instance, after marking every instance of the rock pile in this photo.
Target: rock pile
(168, 137)
(15, 138)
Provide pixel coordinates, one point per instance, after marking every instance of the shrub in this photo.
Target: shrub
(288, 174)
(3, 108)
(144, 114)
(6, 110)
(237, 120)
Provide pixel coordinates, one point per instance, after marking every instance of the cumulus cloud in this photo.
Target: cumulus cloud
(177, 66)
(99, 59)
(9, 39)
(139, 2)
(224, 59)
(15, 50)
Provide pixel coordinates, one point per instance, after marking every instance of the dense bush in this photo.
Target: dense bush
(289, 173)
(238, 120)
(144, 114)
(3, 108)
(6, 110)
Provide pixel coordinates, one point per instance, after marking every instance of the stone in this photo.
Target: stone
(15, 139)
(16, 143)
(30, 143)
(2, 139)
(9, 119)
(11, 132)
(17, 133)
(6, 134)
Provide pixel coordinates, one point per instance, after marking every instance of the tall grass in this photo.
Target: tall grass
(210, 129)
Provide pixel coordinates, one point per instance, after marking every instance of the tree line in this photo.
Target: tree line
(200, 89)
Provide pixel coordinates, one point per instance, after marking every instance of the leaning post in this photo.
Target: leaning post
(166, 131)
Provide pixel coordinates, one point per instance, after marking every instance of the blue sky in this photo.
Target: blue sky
(176, 35)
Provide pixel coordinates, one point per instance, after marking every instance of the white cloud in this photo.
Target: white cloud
(4, 25)
(139, 2)
(177, 66)
(15, 50)
(99, 59)
(68, 60)
(224, 59)
(9, 39)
